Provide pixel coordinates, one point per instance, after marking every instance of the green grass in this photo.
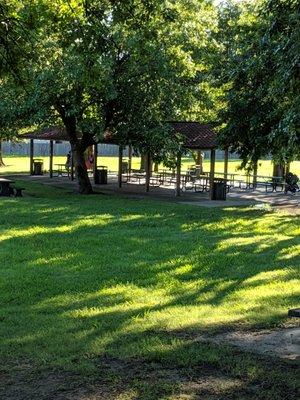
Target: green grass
(87, 276)
(17, 164)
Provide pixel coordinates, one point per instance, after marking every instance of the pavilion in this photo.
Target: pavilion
(194, 136)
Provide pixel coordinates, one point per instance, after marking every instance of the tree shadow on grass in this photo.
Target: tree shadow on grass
(83, 277)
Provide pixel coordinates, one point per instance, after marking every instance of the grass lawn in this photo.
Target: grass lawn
(17, 164)
(113, 292)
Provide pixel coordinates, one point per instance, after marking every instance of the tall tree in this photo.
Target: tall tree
(262, 94)
(112, 66)
(15, 48)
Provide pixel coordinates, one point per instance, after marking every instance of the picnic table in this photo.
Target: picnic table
(135, 176)
(61, 168)
(272, 182)
(5, 188)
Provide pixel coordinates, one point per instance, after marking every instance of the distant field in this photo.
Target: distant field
(17, 164)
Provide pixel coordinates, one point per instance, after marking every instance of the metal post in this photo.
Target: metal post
(51, 159)
(178, 175)
(212, 172)
(225, 164)
(95, 161)
(130, 159)
(120, 166)
(148, 172)
(31, 149)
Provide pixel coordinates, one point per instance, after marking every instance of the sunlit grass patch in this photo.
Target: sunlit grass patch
(83, 276)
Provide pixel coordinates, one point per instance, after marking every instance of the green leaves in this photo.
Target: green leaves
(263, 99)
(120, 66)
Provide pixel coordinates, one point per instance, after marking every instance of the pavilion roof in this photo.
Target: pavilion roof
(58, 133)
(51, 133)
(196, 136)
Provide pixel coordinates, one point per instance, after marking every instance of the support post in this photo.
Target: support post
(31, 150)
(148, 171)
(226, 165)
(95, 161)
(72, 166)
(212, 172)
(255, 166)
(120, 166)
(51, 159)
(178, 175)
(129, 159)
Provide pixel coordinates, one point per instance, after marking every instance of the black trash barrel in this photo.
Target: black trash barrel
(124, 167)
(219, 189)
(101, 176)
(38, 167)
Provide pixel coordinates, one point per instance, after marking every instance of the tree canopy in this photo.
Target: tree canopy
(124, 68)
(262, 96)
(112, 66)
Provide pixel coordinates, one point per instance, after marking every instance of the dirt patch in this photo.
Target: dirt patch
(289, 209)
(124, 380)
(283, 343)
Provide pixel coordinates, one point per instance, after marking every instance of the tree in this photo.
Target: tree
(112, 66)
(15, 47)
(262, 78)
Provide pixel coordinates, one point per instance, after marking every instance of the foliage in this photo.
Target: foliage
(114, 66)
(262, 77)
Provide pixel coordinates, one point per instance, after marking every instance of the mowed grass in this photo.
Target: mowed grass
(17, 164)
(88, 276)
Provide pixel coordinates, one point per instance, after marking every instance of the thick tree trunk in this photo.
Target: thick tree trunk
(278, 170)
(84, 183)
(143, 162)
(255, 167)
(1, 159)
(199, 160)
(78, 147)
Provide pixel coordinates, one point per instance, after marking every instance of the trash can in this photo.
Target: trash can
(101, 176)
(38, 167)
(124, 167)
(219, 189)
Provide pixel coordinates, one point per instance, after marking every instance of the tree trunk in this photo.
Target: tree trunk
(199, 160)
(84, 183)
(255, 166)
(143, 162)
(1, 159)
(78, 147)
(287, 168)
(278, 170)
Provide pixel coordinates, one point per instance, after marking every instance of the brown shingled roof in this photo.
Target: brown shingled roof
(197, 136)
(58, 133)
(52, 133)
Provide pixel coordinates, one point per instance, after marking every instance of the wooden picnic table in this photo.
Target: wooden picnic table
(61, 168)
(136, 177)
(5, 188)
